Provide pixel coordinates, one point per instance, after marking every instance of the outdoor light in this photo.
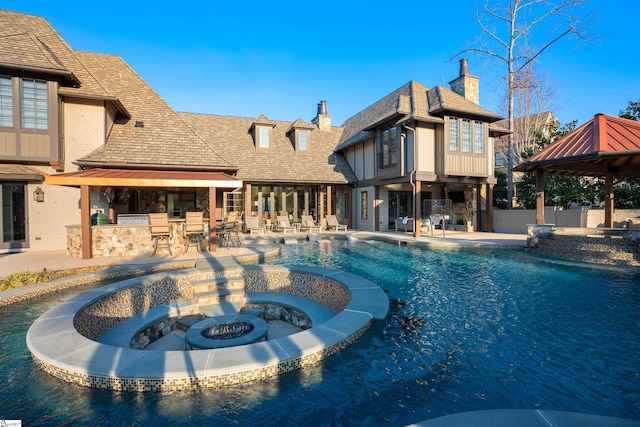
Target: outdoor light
(38, 195)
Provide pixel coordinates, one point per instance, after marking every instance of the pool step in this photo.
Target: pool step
(227, 292)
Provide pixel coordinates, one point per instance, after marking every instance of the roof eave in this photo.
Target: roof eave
(75, 82)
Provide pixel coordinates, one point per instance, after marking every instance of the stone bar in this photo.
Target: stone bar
(117, 240)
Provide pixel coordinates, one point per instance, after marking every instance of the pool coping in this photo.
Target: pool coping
(59, 349)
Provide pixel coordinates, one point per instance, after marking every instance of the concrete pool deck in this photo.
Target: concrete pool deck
(12, 262)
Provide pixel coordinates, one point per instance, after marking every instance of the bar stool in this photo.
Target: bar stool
(193, 230)
(160, 231)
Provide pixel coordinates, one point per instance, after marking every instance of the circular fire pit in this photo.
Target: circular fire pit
(226, 331)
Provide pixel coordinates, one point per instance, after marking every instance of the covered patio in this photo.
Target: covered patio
(605, 146)
(98, 177)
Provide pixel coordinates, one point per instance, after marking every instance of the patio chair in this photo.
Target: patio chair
(193, 230)
(332, 222)
(160, 231)
(252, 224)
(285, 225)
(309, 224)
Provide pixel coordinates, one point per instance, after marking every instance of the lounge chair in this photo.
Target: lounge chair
(252, 225)
(309, 224)
(332, 222)
(160, 231)
(193, 229)
(285, 225)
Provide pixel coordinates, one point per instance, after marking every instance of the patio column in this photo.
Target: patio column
(376, 208)
(539, 196)
(608, 201)
(213, 239)
(329, 200)
(417, 191)
(85, 222)
(248, 206)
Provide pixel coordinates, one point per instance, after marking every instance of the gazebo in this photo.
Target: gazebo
(605, 146)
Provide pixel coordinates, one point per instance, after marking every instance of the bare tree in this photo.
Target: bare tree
(533, 102)
(519, 31)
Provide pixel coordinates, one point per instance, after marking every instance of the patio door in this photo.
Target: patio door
(14, 215)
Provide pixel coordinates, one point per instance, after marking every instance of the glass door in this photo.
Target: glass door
(14, 220)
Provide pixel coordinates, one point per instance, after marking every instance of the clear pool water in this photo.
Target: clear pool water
(467, 330)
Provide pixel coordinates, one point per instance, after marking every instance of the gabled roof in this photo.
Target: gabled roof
(29, 43)
(603, 145)
(410, 101)
(443, 100)
(156, 135)
(280, 162)
(300, 124)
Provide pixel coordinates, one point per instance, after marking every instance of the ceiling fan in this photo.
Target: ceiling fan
(107, 194)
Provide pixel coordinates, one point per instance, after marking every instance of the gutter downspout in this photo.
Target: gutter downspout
(411, 175)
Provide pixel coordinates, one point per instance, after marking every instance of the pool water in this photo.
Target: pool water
(467, 330)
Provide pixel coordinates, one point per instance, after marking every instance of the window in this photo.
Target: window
(233, 202)
(364, 205)
(34, 105)
(263, 137)
(453, 134)
(478, 137)
(389, 147)
(181, 201)
(6, 102)
(302, 139)
(466, 136)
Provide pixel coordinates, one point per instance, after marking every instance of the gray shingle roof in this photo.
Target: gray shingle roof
(411, 101)
(164, 139)
(233, 138)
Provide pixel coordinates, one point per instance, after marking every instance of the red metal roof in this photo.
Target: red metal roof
(595, 147)
(144, 178)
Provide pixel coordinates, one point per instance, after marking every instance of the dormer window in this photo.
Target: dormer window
(303, 136)
(262, 132)
(299, 134)
(264, 136)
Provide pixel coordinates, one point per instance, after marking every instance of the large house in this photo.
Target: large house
(82, 133)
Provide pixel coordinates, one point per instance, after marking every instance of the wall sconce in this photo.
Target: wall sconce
(38, 195)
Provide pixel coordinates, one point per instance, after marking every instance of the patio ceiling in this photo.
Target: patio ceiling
(143, 178)
(605, 145)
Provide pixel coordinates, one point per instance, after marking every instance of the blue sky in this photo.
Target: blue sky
(281, 58)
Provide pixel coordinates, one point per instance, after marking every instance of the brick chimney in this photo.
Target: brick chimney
(322, 120)
(466, 85)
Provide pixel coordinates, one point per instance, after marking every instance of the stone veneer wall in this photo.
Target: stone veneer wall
(34, 291)
(122, 240)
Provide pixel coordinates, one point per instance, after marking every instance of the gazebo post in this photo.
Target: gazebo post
(608, 201)
(539, 196)
(85, 222)
(213, 239)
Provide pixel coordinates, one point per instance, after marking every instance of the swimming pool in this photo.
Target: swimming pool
(467, 330)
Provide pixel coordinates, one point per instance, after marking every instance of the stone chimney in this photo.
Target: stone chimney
(322, 120)
(466, 85)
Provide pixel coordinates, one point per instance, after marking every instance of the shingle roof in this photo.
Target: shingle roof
(29, 41)
(162, 138)
(443, 100)
(410, 101)
(233, 138)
